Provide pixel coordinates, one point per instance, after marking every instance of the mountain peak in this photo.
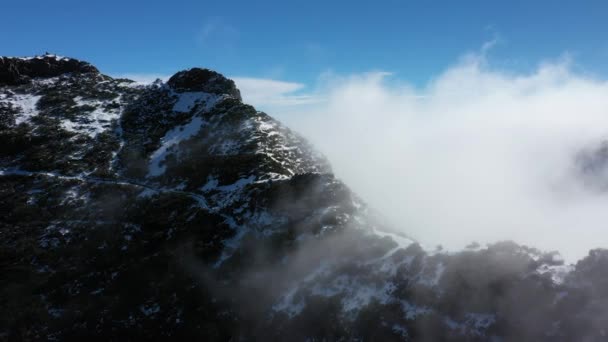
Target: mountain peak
(198, 79)
(176, 211)
(20, 70)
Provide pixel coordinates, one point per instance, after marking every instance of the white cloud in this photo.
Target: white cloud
(263, 93)
(478, 154)
(267, 93)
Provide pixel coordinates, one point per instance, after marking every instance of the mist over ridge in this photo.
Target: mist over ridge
(478, 154)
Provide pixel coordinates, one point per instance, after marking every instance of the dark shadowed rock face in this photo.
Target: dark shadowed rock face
(14, 71)
(175, 211)
(197, 79)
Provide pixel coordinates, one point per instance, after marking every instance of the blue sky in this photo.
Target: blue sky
(298, 40)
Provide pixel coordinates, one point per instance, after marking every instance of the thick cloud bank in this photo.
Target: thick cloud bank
(476, 155)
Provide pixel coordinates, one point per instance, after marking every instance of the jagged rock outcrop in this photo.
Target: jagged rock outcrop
(14, 71)
(176, 211)
(197, 79)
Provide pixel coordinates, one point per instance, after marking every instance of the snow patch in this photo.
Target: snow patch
(149, 310)
(231, 244)
(48, 55)
(479, 322)
(237, 185)
(287, 305)
(26, 104)
(188, 100)
(55, 312)
(172, 138)
(400, 330)
(95, 122)
(211, 184)
(402, 241)
(474, 323)
(557, 273)
(412, 311)
(356, 295)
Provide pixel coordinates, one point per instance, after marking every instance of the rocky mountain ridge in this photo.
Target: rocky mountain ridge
(174, 210)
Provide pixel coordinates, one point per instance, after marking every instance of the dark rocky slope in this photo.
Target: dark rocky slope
(175, 211)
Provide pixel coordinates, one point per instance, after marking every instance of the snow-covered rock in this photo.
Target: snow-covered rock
(175, 211)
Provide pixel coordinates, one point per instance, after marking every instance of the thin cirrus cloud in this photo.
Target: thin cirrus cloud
(271, 94)
(217, 33)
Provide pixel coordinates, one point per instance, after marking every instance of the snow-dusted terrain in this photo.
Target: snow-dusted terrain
(175, 211)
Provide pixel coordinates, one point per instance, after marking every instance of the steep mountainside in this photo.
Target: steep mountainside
(174, 210)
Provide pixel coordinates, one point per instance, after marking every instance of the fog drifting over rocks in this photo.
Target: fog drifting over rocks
(478, 154)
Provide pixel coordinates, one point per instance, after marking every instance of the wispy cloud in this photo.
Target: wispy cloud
(217, 33)
(268, 93)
